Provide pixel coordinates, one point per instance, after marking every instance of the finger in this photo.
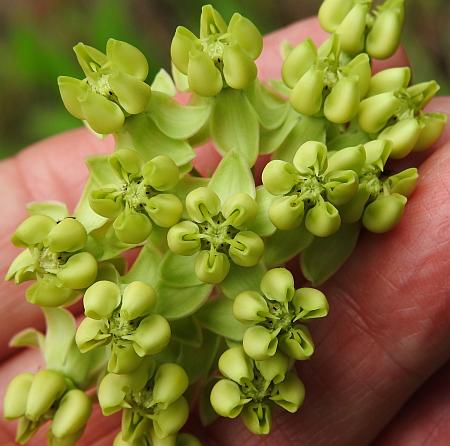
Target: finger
(425, 420)
(387, 332)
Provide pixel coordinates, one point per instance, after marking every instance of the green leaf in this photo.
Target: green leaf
(178, 271)
(175, 303)
(262, 224)
(306, 129)
(187, 331)
(101, 170)
(141, 134)
(52, 209)
(234, 125)
(29, 337)
(324, 256)
(232, 176)
(103, 243)
(241, 278)
(146, 267)
(180, 79)
(176, 120)
(351, 137)
(271, 140)
(164, 83)
(283, 245)
(217, 316)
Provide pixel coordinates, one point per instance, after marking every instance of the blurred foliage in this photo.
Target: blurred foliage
(36, 40)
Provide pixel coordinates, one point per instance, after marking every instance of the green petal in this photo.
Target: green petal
(204, 77)
(332, 12)
(298, 62)
(33, 230)
(351, 30)
(133, 94)
(71, 89)
(239, 69)
(127, 58)
(163, 83)
(183, 43)
(246, 35)
(236, 365)
(53, 209)
(278, 285)
(392, 79)
(384, 213)
(306, 97)
(79, 271)
(257, 417)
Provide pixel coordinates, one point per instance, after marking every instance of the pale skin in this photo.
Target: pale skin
(379, 374)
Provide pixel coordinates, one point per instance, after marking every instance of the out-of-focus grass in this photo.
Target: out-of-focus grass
(36, 40)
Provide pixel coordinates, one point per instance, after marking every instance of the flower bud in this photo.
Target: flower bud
(132, 227)
(352, 29)
(235, 365)
(250, 306)
(350, 158)
(309, 303)
(171, 382)
(240, 210)
(182, 238)
(161, 173)
(298, 343)
(226, 398)
(33, 230)
(323, 220)
(246, 249)
(187, 440)
(277, 284)
(311, 158)
(68, 235)
(403, 135)
(111, 393)
(376, 111)
(101, 299)
(133, 94)
(260, 343)
(90, 334)
(287, 212)
(103, 115)
(211, 267)
(279, 177)
(246, 35)
(352, 211)
(164, 209)
(341, 105)
(71, 89)
(123, 358)
(433, 126)
(137, 301)
(384, 213)
(257, 417)
(384, 37)
(183, 43)
(79, 271)
(298, 62)
(72, 414)
(306, 97)
(127, 59)
(47, 387)
(392, 79)
(360, 66)
(239, 69)
(102, 203)
(171, 420)
(48, 292)
(203, 76)
(333, 12)
(202, 203)
(404, 182)
(273, 369)
(152, 335)
(377, 152)
(290, 393)
(16, 396)
(341, 186)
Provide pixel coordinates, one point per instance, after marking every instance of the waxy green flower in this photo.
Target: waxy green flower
(217, 232)
(121, 316)
(394, 111)
(54, 256)
(377, 32)
(250, 389)
(321, 83)
(151, 400)
(113, 89)
(312, 187)
(34, 399)
(139, 196)
(275, 315)
(222, 56)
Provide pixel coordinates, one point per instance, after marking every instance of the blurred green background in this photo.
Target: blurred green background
(36, 38)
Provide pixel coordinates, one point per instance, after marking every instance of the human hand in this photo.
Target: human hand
(387, 333)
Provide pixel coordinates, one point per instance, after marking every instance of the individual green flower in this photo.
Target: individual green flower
(55, 257)
(253, 392)
(273, 316)
(321, 83)
(113, 89)
(394, 111)
(34, 399)
(139, 197)
(312, 187)
(151, 400)
(222, 56)
(376, 32)
(217, 232)
(122, 318)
